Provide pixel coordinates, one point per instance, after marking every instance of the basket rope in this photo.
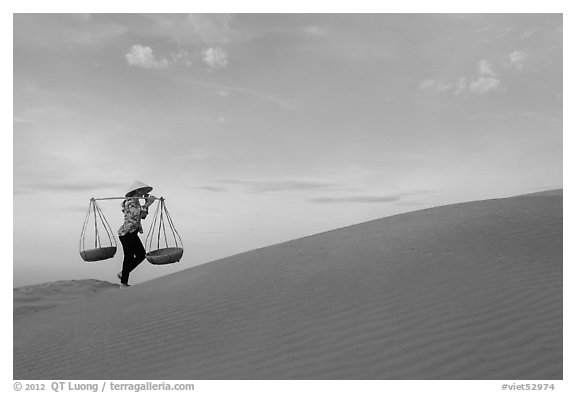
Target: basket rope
(99, 218)
(158, 232)
(82, 245)
(174, 230)
(106, 225)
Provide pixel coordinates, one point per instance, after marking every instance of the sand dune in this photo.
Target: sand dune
(544, 193)
(466, 291)
(34, 298)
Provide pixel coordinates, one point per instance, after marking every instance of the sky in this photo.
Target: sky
(262, 128)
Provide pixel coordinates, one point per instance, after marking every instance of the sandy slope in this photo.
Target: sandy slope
(466, 291)
(544, 193)
(34, 298)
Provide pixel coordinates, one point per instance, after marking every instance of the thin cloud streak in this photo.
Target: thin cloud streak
(369, 198)
(67, 187)
(210, 188)
(284, 185)
(358, 199)
(22, 120)
(261, 95)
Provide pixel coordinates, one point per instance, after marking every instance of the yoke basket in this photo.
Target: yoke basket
(104, 246)
(163, 242)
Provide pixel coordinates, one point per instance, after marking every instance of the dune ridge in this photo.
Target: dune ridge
(34, 298)
(465, 291)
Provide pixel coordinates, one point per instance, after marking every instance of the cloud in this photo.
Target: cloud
(518, 60)
(427, 84)
(67, 187)
(485, 68)
(143, 56)
(211, 28)
(494, 33)
(22, 120)
(45, 30)
(182, 57)
(431, 84)
(215, 57)
(284, 185)
(485, 85)
(398, 197)
(226, 90)
(486, 82)
(196, 30)
(410, 203)
(83, 17)
(315, 31)
(529, 33)
(358, 199)
(222, 92)
(210, 188)
(459, 87)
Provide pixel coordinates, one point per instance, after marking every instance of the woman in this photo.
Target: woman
(134, 252)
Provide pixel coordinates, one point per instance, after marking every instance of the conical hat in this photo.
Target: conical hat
(138, 186)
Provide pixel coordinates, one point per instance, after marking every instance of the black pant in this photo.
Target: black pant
(134, 253)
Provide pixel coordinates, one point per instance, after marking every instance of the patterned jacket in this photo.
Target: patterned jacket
(133, 213)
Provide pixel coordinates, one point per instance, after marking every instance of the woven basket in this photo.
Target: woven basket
(98, 254)
(96, 231)
(165, 256)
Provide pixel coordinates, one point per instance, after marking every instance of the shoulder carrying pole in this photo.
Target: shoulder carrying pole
(103, 199)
